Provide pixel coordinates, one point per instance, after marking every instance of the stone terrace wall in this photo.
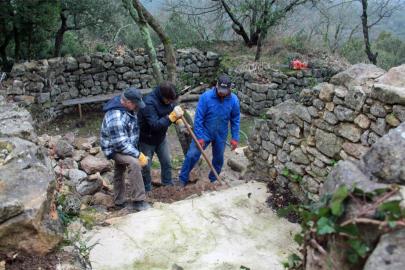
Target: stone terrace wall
(299, 143)
(258, 93)
(49, 82)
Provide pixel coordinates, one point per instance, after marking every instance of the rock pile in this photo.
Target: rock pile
(300, 142)
(81, 166)
(28, 218)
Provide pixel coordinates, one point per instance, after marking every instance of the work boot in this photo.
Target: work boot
(117, 207)
(182, 184)
(178, 183)
(140, 206)
(216, 185)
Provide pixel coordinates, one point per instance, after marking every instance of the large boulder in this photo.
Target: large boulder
(358, 74)
(389, 253)
(26, 188)
(390, 88)
(395, 77)
(350, 174)
(382, 165)
(15, 121)
(386, 158)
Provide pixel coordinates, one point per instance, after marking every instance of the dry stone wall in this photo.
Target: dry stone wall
(49, 82)
(299, 143)
(258, 93)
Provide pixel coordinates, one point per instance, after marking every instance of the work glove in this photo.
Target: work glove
(180, 123)
(176, 114)
(234, 144)
(201, 142)
(143, 160)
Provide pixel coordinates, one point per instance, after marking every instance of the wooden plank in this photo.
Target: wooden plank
(98, 98)
(90, 99)
(80, 112)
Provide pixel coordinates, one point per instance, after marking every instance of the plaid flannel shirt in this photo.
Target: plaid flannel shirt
(119, 134)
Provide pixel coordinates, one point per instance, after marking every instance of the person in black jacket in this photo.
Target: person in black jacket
(154, 120)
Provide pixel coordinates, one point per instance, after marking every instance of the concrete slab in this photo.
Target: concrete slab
(219, 230)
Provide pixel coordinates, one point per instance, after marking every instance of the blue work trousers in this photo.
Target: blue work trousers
(193, 155)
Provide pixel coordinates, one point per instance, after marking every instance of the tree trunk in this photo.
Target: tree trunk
(237, 25)
(259, 47)
(59, 35)
(29, 45)
(364, 20)
(254, 35)
(138, 17)
(184, 138)
(189, 98)
(164, 38)
(262, 31)
(3, 46)
(17, 43)
(3, 53)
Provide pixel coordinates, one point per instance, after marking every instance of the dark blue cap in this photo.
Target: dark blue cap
(134, 95)
(224, 84)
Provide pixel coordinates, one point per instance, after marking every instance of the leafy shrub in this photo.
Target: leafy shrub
(101, 48)
(297, 42)
(353, 51)
(181, 32)
(72, 45)
(391, 50)
(327, 219)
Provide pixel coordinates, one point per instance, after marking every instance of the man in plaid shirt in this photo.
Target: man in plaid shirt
(119, 141)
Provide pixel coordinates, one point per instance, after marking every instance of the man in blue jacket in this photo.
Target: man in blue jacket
(119, 141)
(154, 120)
(216, 108)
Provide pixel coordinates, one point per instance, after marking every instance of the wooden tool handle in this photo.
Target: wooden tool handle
(200, 148)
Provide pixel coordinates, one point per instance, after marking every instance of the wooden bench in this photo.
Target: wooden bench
(95, 99)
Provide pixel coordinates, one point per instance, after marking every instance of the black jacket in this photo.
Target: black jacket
(153, 119)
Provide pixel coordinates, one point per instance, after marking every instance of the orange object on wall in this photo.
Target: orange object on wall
(297, 64)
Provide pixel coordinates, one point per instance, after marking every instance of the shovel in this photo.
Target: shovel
(201, 149)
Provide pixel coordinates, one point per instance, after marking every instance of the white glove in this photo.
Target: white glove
(178, 111)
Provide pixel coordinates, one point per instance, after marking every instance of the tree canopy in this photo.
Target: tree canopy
(38, 29)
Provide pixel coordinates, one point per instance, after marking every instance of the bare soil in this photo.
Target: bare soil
(281, 199)
(172, 194)
(19, 261)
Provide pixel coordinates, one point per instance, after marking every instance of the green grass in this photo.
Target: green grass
(246, 128)
(155, 164)
(90, 126)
